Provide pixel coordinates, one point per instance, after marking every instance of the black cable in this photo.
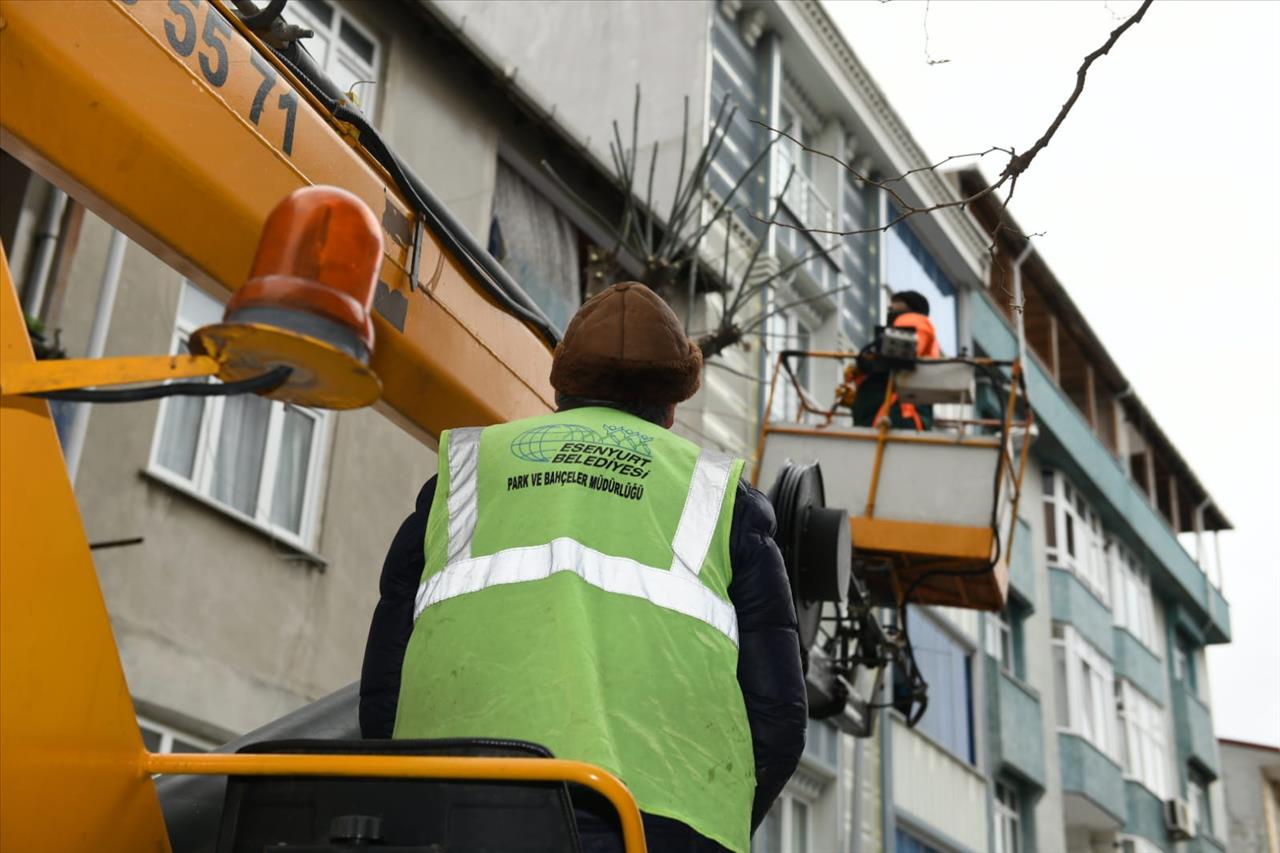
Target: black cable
(998, 384)
(457, 240)
(268, 381)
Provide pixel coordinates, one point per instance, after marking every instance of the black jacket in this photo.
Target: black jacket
(768, 645)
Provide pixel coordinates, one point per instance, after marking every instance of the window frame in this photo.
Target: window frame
(1200, 796)
(200, 484)
(963, 647)
(1007, 837)
(332, 33)
(785, 330)
(1001, 640)
(1133, 604)
(1075, 539)
(784, 810)
(1144, 741)
(1090, 704)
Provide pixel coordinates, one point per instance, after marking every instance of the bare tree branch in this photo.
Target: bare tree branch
(1016, 165)
(929, 58)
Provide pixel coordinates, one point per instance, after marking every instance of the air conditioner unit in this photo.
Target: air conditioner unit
(1178, 820)
(1127, 845)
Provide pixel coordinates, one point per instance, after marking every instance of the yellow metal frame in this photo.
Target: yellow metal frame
(95, 97)
(63, 374)
(415, 767)
(912, 548)
(155, 129)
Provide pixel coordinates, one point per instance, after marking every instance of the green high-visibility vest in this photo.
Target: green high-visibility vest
(575, 594)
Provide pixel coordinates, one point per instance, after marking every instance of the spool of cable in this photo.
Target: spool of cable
(815, 542)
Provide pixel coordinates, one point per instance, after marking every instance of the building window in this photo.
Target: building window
(784, 331)
(822, 745)
(537, 244)
(260, 461)
(909, 266)
(1005, 639)
(787, 828)
(1008, 815)
(1074, 538)
(1143, 741)
(1133, 604)
(346, 51)
(157, 737)
(1085, 694)
(859, 261)
(1201, 811)
(1184, 661)
(946, 665)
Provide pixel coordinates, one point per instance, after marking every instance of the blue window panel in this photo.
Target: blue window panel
(905, 842)
(946, 666)
(736, 72)
(859, 302)
(911, 267)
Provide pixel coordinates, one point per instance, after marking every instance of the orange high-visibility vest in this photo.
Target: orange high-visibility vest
(926, 347)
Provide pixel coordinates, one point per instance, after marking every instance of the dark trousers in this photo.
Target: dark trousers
(600, 832)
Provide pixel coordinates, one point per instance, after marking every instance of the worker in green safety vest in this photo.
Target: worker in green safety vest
(592, 582)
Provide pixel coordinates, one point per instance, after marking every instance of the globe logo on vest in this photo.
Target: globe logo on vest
(544, 443)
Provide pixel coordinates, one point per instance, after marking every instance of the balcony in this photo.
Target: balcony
(1072, 603)
(1014, 726)
(1138, 664)
(802, 198)
(1068, 440)
(1022, 564)
(1092, 785)
(1193, 727)
(1144, 814)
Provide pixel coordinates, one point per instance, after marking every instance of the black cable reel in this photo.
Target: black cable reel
(817, 548)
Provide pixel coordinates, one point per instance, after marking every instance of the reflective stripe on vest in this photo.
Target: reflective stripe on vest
(675, 588)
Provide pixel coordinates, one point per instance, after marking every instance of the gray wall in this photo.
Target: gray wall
(1251, 779)
(214, 620)
(581, 61)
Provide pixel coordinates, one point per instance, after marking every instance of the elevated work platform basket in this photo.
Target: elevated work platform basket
(932, 513)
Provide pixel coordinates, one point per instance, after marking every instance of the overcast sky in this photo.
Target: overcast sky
(1160, 202)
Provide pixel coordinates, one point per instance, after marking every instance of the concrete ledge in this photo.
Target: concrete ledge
(1138, 664)
(1088, 773)
(1014, 727)
(1145, 815)
(1072, 602)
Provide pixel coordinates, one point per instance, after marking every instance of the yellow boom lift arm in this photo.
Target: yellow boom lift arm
(175, 124)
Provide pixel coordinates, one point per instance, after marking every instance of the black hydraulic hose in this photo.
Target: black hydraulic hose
(268, 381)
(263, 18)
(456, 238)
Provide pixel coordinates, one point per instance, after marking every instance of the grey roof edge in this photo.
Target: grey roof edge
(971, 177)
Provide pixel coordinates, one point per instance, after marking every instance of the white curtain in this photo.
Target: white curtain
(241, 443)
(291, 469)
(181, 430)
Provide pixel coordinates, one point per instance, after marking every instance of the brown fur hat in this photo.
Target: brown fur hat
(626, 345)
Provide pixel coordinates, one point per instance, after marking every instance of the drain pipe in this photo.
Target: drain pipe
(1020, 307)
(46, 241)
(97, 345)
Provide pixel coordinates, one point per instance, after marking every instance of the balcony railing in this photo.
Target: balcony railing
(1193, 725)
(1014, 725)
(802, 198)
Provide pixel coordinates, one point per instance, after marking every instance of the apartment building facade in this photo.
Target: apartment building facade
(277, 518)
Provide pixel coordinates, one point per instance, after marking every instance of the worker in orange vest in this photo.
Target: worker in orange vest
(908, 309)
